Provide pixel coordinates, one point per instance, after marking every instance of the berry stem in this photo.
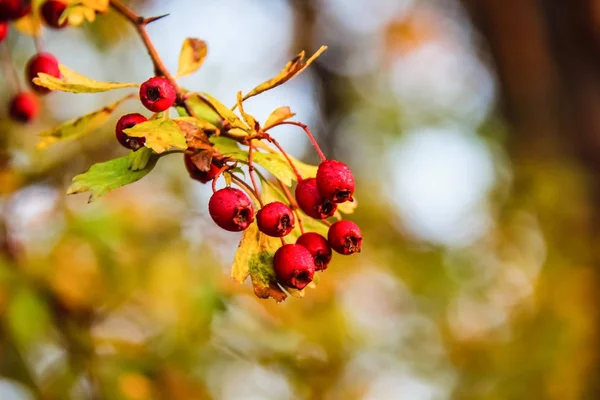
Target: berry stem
(251, 171)
(308, 133)
(244, 186)
(292, 165)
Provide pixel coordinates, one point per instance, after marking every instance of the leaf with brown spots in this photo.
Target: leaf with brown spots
(196, 132)
(161, 134)
(192, 55)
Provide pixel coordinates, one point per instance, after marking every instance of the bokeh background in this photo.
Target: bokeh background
(473, 130)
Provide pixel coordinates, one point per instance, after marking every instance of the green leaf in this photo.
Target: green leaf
(229, 147)
(103, 177)
(254, 257)
(201, 109)
(138, 160)
(73, 82)
(161, 134)
(291, 69)
(278, 166)
(225, 113)
(277, 116)
(78, 127)
(306, 170)
(191, 57)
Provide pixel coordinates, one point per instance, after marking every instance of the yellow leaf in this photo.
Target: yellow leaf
(291, 69)
(78, 127)
(277, 116)
(161, 134)
(73, 82)
(247, 117)
(348, 207)
(225, 113)
(30, 25)
(306, 170)
(77, 13)
(191, 57)
(98, 5)
(254, 257)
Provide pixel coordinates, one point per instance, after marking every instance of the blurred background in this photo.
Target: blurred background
(473, 128)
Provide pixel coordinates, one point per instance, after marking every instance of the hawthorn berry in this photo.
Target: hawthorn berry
(294, 266)
(3, 31)
(45, 63)
(335, 181)
(51, 11)
(14, 9)
(311, 202)
(197, 174)
(318, 247)
(125, 122)
(231, 209)
(157, 94)
(345, 237)
(24, 107)
(275, 219)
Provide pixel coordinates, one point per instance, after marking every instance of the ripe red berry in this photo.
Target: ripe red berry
(335, 181)
(311, 202)
(125, 122)
(14, 9)
(231, 209)
(51, 11)
(41, 62)
(345, 237)
(275, 219)
(201, 176)
(318, 247)
(294, 266)
(24, 107)
(3, 31)
(157, 94)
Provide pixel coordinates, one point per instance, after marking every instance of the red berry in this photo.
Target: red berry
(335, 181)
(294, 266)
(24, 107)
(318, 247)
(311, 202)
(125, 122)
(51, 11)
(231, 209)
(201, 176)
(3, 31)
(157, 94)
(41, 62)
(345, 237)
(14, 9)
(275, 219)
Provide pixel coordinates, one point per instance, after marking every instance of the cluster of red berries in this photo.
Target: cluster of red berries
(24, 106)
(294, 264)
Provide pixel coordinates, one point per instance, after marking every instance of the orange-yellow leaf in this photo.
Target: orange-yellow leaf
(277, 116)
(291, 69)
(191, 57)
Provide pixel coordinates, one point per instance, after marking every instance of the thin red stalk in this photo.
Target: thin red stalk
(276, 143)
(214, 185)
(244, 186)
(251, 171)
(308, 133)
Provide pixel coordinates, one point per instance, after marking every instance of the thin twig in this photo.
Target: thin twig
(251, 171)
(289, 160)
(308, 133)
(242, 184)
